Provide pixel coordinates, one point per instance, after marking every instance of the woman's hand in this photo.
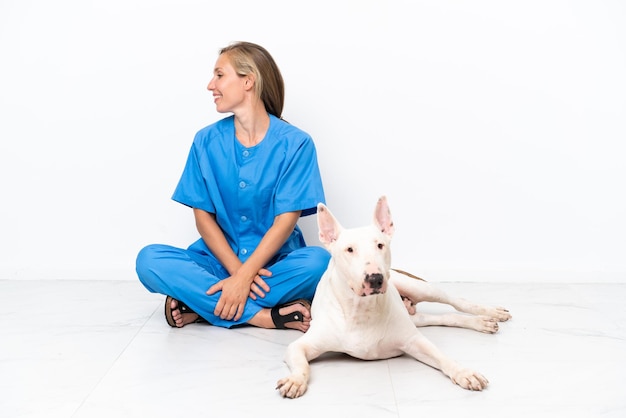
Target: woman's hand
(235, 292)
(259, 287)
(232, 301)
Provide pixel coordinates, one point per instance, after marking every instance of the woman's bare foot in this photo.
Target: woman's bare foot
(179, 318)
(299, 311)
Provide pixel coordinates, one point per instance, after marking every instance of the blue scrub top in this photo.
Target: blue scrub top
(247, 187)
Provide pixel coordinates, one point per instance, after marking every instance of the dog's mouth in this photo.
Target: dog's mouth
(374, 284)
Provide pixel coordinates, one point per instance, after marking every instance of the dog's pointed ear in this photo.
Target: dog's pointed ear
(382, 217)
(329, 228)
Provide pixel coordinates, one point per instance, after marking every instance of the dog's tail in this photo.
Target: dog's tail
(406, 273)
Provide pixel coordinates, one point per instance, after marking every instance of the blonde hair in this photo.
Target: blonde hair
(248, 58)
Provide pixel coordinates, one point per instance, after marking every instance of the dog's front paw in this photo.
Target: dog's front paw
(470, 379)
(291, 387)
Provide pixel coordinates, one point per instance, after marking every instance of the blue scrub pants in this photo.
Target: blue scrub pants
(186, 275)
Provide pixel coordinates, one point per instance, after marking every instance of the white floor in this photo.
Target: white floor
(103, 349)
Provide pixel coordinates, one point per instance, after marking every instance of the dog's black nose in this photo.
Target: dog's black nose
(375, 280)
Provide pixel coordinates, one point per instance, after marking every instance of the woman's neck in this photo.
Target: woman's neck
(250, 129)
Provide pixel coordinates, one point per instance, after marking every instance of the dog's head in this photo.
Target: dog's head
(361, 255)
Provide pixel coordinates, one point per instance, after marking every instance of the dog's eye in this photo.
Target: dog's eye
(350, 249)
(381, 246)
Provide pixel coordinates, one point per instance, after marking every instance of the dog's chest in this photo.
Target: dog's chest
(368, 332)
(370, 344)
(366, 315)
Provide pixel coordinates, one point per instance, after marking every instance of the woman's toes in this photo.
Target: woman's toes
(177, 317)
(180, 318)
(301, 325)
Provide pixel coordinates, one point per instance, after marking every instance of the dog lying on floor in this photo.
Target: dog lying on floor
(365, 309)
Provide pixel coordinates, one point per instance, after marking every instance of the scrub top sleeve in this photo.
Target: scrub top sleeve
(300, 187)
(192, 188)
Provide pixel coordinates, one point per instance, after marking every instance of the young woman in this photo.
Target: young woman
(249, 177)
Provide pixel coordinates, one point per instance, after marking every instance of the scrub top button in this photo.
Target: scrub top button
(246, 153)
(244, 218)
(242, 184)
(244, 251)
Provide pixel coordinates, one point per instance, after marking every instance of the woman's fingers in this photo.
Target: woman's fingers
(261, 284)
(231, 304)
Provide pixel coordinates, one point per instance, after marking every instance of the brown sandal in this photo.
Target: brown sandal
(184, 309)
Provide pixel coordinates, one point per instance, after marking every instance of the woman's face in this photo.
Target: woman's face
(227, 86)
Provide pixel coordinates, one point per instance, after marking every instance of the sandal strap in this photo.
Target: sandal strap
(183, 308)
(280, 320)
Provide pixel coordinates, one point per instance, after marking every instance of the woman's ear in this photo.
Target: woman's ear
(248, 82)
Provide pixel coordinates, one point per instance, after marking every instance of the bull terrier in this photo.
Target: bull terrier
(364, 308)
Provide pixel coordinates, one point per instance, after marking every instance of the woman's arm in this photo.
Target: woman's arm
(215, 240)
(244, 278)
(272, 241)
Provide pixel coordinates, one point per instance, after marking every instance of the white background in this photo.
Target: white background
(495, 128)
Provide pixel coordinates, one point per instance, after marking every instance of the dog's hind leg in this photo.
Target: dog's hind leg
(462, 305)
(418, 290)
(481, 323)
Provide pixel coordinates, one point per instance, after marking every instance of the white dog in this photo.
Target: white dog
(358, 307)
